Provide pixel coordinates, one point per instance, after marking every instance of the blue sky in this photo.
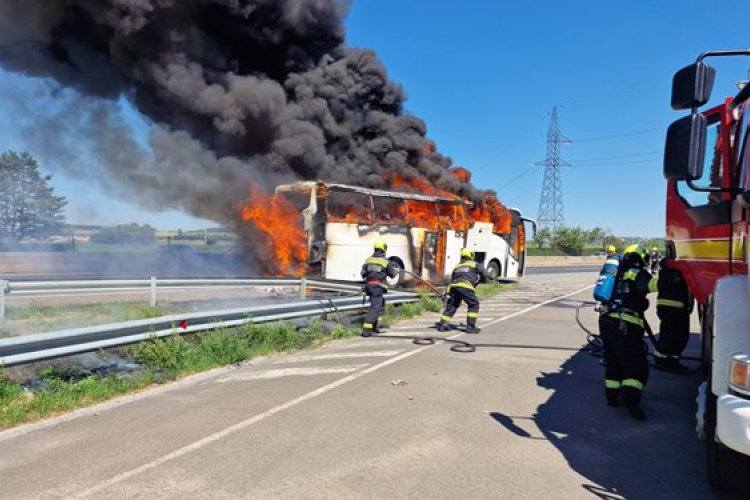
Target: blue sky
(484, 76)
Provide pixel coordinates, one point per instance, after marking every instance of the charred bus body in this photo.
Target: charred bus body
(424, 233)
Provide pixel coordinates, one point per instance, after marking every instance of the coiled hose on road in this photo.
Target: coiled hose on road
(594, 347)
(462, 346)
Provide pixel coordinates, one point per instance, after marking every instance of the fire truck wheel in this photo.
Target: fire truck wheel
(400, 275)
(727, 469)
(493, 269)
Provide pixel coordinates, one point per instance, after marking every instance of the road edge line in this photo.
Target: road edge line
(211, 438)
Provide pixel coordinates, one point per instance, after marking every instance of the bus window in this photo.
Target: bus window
(299, 198)
(422, 214)
(451, 216)
(389, 210)
(349, 207)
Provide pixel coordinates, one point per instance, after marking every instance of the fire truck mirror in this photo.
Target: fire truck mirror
(692, 86)
(744, 199)
(685, 150)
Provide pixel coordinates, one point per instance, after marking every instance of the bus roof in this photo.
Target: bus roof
(309, 185)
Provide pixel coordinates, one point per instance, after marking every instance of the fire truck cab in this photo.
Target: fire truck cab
(707, 166)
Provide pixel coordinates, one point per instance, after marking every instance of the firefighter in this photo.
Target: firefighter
(467, 274)
(375, 270)
(674, 305)
(622, 327)
(655, 258)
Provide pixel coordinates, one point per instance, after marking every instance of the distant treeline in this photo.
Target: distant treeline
(125, 234)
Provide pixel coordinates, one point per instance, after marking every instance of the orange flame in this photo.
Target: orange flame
(491, 210)
(461, 174)
(279, 225)
(276, 224)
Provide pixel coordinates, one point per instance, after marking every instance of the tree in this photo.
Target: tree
(613, 240)
(595, 237)
(570, 240)
(543, 237)
(29, 208)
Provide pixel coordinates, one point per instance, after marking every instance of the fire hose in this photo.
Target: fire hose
(462, 346)
(597, 347)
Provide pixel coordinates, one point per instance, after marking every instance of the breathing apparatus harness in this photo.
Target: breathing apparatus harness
(596, 346)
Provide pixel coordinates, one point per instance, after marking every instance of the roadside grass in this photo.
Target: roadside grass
(19, 405)
(38, 318)
(168, 358)
(486, 290)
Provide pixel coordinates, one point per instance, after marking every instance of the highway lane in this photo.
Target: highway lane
(531, 271)
(383, 418)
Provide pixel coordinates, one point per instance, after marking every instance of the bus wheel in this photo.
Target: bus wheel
(493, 269)
(400, 274)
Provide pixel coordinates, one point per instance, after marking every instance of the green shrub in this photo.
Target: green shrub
(429, 302)
(165, 354)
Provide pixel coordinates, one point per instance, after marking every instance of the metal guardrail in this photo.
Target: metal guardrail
(152, 284)
(25, 287)
(39, 347)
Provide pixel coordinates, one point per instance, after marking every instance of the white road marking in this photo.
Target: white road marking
(353, 344)
(335, 355)
(537, 306)
(212, 438)
(309, 371)
(201, 443)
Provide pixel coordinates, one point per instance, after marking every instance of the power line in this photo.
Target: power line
(617, 136)
(514, 179)
(615, 163)
(587, 160)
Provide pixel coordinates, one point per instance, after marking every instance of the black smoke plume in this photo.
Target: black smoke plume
(238, 91)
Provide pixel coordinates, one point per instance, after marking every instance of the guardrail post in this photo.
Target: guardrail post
(303, 288)
(153, 291)
(4, 285)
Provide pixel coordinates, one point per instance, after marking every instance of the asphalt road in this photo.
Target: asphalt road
(384, 418)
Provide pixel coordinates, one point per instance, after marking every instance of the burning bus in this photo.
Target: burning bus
(424, 233)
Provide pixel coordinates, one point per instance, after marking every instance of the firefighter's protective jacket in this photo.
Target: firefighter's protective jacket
(377, 268)
(469, 273)
(673, 290)
(629, 301)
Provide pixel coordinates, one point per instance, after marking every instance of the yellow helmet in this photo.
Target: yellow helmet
(381, 245)
(654, 249)
(468, 253)
(638, 250)
(611, 249)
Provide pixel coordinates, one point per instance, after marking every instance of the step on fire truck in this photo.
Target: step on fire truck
(707, 166)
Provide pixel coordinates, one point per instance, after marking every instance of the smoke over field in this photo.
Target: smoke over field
(240, 93)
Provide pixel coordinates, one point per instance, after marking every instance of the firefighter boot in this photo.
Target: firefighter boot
(442, 326)
(471, 325)
(631, 397)
(670, 364)
(613, 397)
(367, 330)
(375, 328)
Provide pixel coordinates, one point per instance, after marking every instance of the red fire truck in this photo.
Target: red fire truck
(707, 166)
